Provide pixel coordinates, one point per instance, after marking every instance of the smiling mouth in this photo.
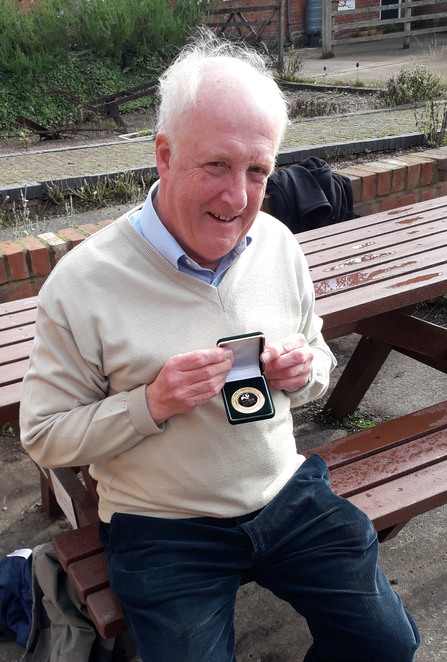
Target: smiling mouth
(222, 218)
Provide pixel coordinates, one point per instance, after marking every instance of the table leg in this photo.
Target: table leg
(357, 377)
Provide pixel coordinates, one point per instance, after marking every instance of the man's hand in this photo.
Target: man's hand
(187, 381)
(287, 362)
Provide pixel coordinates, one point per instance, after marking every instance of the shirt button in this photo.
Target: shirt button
(188, 262)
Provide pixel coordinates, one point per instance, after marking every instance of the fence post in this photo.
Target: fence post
(281, 37)
(326, 29)
(407, 26)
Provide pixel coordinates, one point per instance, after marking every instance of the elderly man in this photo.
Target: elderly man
(125, 375)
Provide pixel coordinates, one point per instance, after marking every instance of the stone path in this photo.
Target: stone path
(33, 168)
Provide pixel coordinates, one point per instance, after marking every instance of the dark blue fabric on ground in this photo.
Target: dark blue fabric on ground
(16, 599)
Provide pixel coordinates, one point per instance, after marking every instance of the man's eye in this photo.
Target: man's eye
(258, 170)
(216, 164)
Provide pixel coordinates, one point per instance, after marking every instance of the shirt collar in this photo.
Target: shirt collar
(148, 223)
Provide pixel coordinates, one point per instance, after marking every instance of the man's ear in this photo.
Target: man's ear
(163, 154)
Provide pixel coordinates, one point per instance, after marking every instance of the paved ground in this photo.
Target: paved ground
(377, 60)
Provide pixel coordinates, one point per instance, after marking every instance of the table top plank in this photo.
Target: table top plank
(406, 289)
(17, 305)
(17, 334)
(20, 318)
(386, 230)
(401, 242)
(13, 372)
(325, 236)
(406, 265)
(360, 268)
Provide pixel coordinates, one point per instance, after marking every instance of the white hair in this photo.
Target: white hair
(180, 83)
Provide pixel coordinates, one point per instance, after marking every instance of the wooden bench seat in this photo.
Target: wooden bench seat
(393, 472)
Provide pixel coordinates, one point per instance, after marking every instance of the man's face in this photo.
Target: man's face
(213, 184)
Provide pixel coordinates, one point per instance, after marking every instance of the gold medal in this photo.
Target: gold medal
(247, 400)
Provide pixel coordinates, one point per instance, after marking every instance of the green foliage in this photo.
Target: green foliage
(294, 64)
(84, 75)
(316, 105)
(86, 47)
(126, 187)
(355, 422)
(33, 40)
(432, 122)
(409, 86)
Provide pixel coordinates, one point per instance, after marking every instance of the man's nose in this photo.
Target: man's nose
(235, 192)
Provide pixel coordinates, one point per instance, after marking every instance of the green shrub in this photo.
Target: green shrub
(82, 74)
(88, 48)
(409, 86)
(38, 39)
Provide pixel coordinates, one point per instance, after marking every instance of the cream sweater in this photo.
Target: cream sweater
(110, 315)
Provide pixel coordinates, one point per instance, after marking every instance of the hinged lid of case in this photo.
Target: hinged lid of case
(247, 350)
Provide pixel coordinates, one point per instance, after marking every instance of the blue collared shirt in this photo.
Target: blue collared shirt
(148, 224)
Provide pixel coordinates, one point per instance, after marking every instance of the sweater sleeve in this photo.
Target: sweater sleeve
(68, 416)
(324, 361)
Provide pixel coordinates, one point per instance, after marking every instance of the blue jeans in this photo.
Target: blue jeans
(177, 579)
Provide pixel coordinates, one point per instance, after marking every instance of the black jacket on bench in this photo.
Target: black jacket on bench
(310, 195)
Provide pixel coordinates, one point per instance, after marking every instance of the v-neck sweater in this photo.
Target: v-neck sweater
(109, 316)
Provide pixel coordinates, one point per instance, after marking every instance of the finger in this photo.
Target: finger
(288, 372)
(296, 357)
(200, 359)
(203, 377)
(276, 349)
(290, 385)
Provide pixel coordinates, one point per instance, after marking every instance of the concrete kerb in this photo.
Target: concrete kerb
(40, 190)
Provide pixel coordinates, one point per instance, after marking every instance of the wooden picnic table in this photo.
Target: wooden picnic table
(369, 275)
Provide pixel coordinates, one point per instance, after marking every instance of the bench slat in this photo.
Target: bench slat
(72, 546)
(9, 402)
(8, 307)
(16, 352)
(354, 447)
(89, 575)
(105, 612)
(390, 465)
(404, 498)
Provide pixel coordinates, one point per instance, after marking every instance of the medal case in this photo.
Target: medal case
(246, 393)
